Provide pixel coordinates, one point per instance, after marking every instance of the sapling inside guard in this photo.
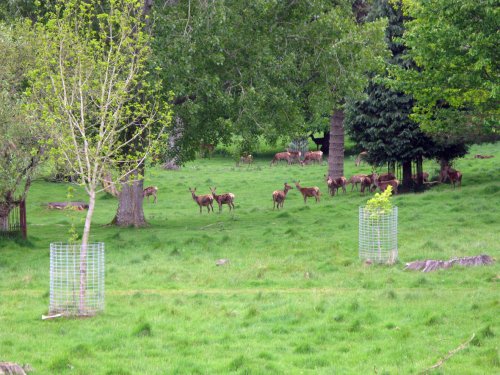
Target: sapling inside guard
(378, 229)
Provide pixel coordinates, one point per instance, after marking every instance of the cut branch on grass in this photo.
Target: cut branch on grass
(450, 354)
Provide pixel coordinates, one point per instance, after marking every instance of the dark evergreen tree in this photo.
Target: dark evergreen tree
(381, 123)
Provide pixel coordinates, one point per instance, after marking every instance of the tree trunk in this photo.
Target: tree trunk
(83, 251)
(336, 154)
(130, 210)
(172, 161)
(420, 177)
(407, 178)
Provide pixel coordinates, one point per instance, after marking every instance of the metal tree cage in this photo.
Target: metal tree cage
(76, 279)
(378, 235)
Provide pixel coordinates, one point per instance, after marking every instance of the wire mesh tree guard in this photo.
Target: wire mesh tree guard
(378, 235)
(76, 279)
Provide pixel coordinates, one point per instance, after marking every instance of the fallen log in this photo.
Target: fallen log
(79, 206)
(432, 265)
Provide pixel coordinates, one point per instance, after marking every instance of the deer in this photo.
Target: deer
(317, 141)
(311, 156)
(150, 190)
(206, 149)
(382, 185)
(361, 157)
(294, 156)
(246, 159)
(454, 176)
(282, 156)
(356, 179)
(203, 200)
(226, 198)
(309, 192)
(280, 195)
(366, 182)
(335, 183)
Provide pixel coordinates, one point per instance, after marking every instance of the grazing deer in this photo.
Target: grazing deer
(280, 195)
(335, 183)
(454, 176)
(308, 192)
(203, 200)
(355, 180)
(317, 141)
(386, 177)
(246, 159)
(382, 185)
(361, 157)
(425, 177)
(282, 156)
(150, 190)
(312, 156)
(295, 156)
(226, 198)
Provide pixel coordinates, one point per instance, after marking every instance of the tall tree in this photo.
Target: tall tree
(22, 143)
(85, 84)
(252, 69)
(455, 46)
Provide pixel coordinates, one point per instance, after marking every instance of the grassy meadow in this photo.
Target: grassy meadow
(294, 299)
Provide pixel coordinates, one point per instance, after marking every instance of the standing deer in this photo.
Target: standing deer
(308, 192)
(356, 179)
(317, 141)
(425, 177)
(245, 159)
(202, 200)
(382, 185)
(206, 149)
(361, 157)
(282, 156)
(280, 195)
(454, 176)
(294, 156)
(150, 190)
(226, 198)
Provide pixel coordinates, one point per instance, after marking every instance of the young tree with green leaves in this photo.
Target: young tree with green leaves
(92, 89)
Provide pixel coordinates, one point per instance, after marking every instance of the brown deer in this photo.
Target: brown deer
(335, 183)
(226, 198)
(282, 156)
(454, 176)
(382, 185)
(309, 192)
(366, 182)
(245, 159)
(312, 156)
(279, 196)
(294, 156)
(355, 180)
(386, 177)
(361, 157)
(203, 200)
(150, 190)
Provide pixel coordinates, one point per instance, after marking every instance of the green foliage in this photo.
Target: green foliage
(20, 134)
(455, 46)
(266, 69)
(380, 203)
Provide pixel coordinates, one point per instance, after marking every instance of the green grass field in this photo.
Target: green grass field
(294, 298)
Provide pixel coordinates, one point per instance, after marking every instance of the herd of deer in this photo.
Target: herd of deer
(370, 182)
